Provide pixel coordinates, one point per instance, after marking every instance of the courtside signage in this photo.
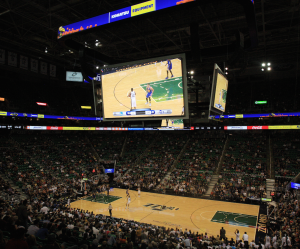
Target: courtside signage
(134, 10)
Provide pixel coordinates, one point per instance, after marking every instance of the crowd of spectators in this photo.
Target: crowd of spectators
(284, 218)
(239, 187)
(286, 151)
(108, 145)
(193, 170)
(49, 169)
(136, 144)
(155, 162)
(243, 170)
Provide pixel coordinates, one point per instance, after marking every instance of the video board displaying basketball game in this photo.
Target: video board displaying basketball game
(219, 90)
(149, 89)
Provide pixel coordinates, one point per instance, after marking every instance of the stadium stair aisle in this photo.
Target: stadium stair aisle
(93, 149)
(14, 186)
(242, 172)
(146, 150)
(270, 181)
(270, 187)
(167, 177)
(18, 145)
(222, 156)
(211, 185)
(124, 145)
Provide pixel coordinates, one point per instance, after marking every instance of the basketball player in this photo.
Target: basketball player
(237, 236)
(94, 197)
(128, 201)
(110, 208)
(139, 192)
(169, 68)
(127, 191)
(132, 95)
(149, 93)
(268, 242)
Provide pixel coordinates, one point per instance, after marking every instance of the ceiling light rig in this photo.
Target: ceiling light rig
(226, 70)
(266, 66)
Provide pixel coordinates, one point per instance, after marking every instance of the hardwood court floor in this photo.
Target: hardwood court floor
(116, 86)
(182, 212)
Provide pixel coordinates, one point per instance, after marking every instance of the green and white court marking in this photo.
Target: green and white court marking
(235, 219)
(103, 198)
(165, 90)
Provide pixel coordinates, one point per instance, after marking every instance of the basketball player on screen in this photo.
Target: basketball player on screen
(132, 95)
(169, 68)
(139, 192)
(149, 93)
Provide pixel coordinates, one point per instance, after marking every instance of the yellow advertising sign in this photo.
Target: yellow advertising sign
(86, 107)
(280, 127)
(41, 116)
(143, 8)
(71, 128)
(3, 113)
(239, 115)
(79, 128)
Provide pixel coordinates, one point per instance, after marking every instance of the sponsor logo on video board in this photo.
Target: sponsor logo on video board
(143, 8)
(120, 14)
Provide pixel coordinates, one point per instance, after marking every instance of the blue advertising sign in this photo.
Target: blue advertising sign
(120, 14)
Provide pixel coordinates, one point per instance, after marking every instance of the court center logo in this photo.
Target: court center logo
(156, 207)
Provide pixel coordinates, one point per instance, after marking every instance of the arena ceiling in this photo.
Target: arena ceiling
(29, 26)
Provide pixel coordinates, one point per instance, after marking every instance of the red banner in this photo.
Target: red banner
(257, 127)
(57, 128)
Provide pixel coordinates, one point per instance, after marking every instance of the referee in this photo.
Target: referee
(110, 208)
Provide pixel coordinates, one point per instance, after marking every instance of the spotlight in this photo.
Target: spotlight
(269, 69)
(192, 72)
(226, 72)
(226, 68)
(97, 67)
(46, 50)
(263, 64)
(262, 69)
(269, 64)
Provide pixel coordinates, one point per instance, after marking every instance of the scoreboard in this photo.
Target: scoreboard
(143, 112)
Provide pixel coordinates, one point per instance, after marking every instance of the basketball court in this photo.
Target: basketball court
(198, 215)
(168, 93)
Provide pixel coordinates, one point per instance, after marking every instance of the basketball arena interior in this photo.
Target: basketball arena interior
(160, 124)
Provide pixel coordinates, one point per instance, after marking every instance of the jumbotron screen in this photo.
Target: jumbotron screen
(149, 89)
(221, 92)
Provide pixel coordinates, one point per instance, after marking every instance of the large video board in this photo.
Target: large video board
(153, 89)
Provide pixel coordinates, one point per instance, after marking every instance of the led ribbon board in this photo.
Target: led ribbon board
(134, 10)
(258, 115)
